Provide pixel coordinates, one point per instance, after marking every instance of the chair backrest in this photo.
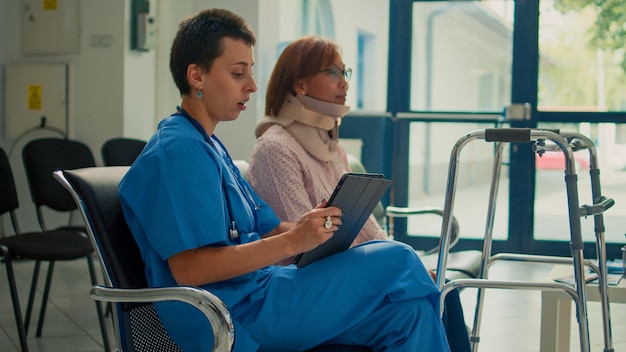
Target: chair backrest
(96, 190)
(44, 156)
(121, 151)
(8, 194)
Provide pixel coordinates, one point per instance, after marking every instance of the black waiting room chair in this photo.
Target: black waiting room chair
(138, 327)
(121, 151)
(39, 246)
(41, 158)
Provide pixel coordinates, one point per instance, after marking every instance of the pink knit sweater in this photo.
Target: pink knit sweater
(293, 182)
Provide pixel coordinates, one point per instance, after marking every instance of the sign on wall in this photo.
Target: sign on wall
(36, 95)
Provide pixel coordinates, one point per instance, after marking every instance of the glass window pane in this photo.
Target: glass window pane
(430, 149)
(582, 64)
(551, 210)
(462, 55)
(360, 27)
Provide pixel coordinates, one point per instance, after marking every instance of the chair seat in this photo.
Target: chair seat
(73, 228)
(461, 264)
(51, 245)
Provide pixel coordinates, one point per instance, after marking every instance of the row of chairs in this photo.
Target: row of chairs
(121, 151)
(41, 157)
(137, 324)
(122, 269)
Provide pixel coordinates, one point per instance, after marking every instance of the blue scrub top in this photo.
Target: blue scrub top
(173, 199)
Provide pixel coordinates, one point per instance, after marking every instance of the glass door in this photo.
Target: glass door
(460, 78)
(582, 88)
(467, 61)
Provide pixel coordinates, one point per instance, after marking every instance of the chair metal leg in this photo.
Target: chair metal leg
(17, 311)
(478, 312)
(101, 320)
(108, 308)
(108, 311)
(31, 295)
(44, 299)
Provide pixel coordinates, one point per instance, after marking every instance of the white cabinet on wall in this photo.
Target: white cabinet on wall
(50, 26)
(36, 95)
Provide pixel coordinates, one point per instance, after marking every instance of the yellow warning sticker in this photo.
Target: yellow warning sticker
(50, 4)
(34, 97)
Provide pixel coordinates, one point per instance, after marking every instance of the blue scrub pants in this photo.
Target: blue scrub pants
(377, 294)
(454, 323)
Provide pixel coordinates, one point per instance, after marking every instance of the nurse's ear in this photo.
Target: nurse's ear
(195, 77)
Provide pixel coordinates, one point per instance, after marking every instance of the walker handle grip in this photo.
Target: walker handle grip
(507, 135)
(597, 208)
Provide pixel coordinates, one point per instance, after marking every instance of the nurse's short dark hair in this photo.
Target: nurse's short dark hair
(199, 41)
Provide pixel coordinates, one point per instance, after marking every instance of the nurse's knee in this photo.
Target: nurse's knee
(392, 253)
(388, 246)
(398, 250)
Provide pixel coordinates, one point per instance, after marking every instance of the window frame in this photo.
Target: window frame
(393, 132)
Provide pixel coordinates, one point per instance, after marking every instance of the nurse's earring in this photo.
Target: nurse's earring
(199, 94)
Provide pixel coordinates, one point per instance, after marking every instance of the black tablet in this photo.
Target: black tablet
(356, 195)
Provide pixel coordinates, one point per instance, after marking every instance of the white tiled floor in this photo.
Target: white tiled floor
(71, 321)
(510, 320)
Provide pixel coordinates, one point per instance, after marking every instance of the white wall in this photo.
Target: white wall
(170, 13)
(96, 85)
(116, 91)
(139, 86)
(4, 49)
(238, 136)
(97, 78)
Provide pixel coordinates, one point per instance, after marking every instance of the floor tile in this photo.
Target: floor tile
(510, 319)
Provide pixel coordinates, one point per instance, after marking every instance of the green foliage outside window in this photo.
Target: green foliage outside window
(609, 31)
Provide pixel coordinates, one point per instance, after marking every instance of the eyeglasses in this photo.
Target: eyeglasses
(336, 73)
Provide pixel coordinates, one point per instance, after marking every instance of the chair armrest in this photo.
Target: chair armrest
(404, 212)
(215, 310)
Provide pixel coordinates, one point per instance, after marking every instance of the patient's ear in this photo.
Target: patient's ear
(300, 87)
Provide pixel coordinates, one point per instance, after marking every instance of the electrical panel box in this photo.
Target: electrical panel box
(36, 95)
(50, 26)
(144, 29)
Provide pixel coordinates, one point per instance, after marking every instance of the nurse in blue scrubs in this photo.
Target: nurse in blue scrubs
(197, 222)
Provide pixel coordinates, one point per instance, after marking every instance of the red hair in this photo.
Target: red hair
(302, 58)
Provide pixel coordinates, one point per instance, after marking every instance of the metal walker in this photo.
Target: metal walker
(568, 143)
